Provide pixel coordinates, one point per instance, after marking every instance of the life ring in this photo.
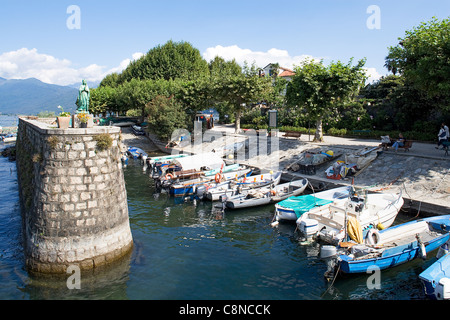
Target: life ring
(168, 176)
(218, 177)
(373, 237)
(273, 192)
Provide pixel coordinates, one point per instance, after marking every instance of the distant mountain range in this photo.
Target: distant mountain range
(31, 96)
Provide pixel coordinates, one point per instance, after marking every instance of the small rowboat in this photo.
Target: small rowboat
(267, 195)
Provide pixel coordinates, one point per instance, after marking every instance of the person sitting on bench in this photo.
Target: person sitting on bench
(399, 143)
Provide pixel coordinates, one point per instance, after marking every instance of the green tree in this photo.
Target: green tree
(173, 60)
(165, 115)
(219, 68)
(241, 91)
(323, 90)
(423, 58)
(104, 99)
(111, 80)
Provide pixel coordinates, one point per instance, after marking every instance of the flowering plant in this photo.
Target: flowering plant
(84, 117)
(63, 114)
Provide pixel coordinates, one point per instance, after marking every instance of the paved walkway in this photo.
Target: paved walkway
(422, 174)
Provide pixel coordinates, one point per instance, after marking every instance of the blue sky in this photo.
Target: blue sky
(36, 41)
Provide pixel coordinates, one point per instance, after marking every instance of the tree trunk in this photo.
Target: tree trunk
(318, 137)
(237, 121)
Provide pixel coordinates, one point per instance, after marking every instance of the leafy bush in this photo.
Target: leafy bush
(104, 141)
(337, 132)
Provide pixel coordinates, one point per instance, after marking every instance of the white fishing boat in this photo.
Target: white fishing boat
(292, 208)
(169, 177)
(267, 195)
(189, 187)
(332, 223)
(232, 187)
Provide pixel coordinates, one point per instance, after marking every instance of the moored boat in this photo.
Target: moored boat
(267, 195)
(190, 187)
(137, 153)
(192, 163)
(231, 188)
(292, 208)
(366, 211)
(436, 278)
(395, 245)
(171, 177)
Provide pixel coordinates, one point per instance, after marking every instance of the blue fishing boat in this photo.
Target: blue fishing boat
(136, 152)
(395, 245)
(436, 278)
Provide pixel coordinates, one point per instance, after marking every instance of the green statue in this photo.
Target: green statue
(83, 98)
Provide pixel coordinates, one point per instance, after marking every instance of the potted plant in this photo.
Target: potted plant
(63, 119)
(84, 118)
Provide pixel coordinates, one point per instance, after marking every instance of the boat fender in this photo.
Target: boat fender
(373, 237)
(380, 226)
(168, 176)
(218, 177)
(422, 249)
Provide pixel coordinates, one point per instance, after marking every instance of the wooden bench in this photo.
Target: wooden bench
(293, 134)
(407, 145)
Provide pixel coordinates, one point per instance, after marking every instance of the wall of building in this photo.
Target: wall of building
(73, 196)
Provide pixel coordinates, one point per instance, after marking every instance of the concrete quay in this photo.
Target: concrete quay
(422, 174)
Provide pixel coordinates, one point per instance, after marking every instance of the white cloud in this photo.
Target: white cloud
(29, 63)
(261, 59)
(372, 74)
(25, 63)
(282, 57)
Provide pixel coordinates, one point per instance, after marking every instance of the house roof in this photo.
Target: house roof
(286, 73)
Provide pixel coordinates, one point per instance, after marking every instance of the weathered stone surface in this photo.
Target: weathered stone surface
(74, 199)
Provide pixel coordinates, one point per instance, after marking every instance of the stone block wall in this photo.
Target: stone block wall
(74, 201)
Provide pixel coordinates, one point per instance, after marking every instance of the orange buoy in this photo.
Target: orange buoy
(169, 176)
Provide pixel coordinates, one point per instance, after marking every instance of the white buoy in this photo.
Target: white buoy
(274, 224)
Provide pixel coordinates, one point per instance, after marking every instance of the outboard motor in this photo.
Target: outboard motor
(223, 199)
(200, 192)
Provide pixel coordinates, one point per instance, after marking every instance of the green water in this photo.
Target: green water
(182, 251)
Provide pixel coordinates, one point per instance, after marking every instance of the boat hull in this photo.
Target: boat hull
(407, 253)
(284, 211)
(189, 188)
(400, 254)
(259, 181)
(431, 277)
(243, 202)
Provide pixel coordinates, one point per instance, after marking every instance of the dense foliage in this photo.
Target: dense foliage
(322, 91)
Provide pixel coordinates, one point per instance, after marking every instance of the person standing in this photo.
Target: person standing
(443, 135)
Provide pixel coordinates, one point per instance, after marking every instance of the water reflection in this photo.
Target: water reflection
(105, 282)
(193, 251)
